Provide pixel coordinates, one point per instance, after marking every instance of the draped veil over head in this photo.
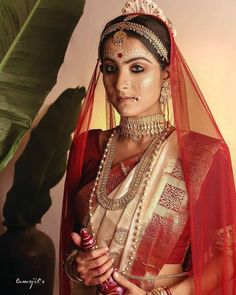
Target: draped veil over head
(207, 171)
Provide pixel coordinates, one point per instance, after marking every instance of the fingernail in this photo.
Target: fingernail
(73, 235)
(115, 274)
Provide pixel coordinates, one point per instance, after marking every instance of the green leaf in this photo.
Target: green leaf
(43, 162)
(33, 39)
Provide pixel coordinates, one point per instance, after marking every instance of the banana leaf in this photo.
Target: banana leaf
(33, 39)
(43, 162)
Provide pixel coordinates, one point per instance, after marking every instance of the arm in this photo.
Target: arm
(211, 278)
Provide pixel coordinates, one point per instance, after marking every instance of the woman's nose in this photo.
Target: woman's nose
(122, 82)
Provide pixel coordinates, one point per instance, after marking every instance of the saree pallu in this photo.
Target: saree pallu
(164, 217)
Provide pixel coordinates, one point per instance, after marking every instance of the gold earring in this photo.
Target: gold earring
(165, 92)
(164, 98)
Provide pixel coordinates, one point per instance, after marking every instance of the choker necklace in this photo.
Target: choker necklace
(137, 127)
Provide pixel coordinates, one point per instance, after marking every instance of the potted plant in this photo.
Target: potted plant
(28, 254)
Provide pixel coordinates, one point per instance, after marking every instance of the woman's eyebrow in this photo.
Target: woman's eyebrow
(108, 59)
(137, 58)
(129, 60)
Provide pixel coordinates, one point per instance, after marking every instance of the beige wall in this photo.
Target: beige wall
(207, 39)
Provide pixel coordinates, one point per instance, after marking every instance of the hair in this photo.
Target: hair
(150, 22)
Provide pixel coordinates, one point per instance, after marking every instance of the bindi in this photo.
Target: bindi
(120, 55)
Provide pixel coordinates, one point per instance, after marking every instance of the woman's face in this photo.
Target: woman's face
(132, 78)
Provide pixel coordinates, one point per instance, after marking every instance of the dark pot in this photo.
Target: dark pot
(27, 262)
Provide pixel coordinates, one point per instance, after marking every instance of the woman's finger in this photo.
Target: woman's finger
(86, 256)
(99, 271)
(84, 266)
(97, 262)
(122, 281)
(76, 238)
(100, 279)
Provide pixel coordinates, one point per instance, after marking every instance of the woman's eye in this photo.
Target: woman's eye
(109, 68)
(137, 69)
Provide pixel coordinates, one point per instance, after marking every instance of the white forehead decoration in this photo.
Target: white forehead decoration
(147, 7)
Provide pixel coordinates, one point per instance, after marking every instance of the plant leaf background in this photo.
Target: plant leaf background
(43, 162)
(33, 38)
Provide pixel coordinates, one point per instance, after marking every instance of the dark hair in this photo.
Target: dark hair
(150, 22)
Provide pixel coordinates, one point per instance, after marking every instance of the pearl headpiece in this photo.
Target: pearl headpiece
(140, 29)
(147, 7)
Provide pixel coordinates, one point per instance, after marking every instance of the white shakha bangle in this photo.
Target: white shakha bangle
(70, 267)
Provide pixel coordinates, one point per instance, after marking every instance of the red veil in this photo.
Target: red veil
(208, 175)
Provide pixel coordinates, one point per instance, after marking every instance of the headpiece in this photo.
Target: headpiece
(139, 7)
(147, 7)
(141, 30)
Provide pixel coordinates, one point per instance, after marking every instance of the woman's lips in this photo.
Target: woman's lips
(127, 98)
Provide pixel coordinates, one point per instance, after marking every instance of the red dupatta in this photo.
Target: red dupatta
(209, 180)
(208, 176)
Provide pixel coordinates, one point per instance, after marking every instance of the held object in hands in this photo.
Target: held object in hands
(110, 286)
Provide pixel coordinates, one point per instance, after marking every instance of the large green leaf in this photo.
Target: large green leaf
(33, 39)
(43, 162)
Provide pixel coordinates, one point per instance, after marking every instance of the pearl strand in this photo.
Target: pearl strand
(141, 205)
(97, 179)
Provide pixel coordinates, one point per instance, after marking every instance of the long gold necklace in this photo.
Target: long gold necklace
(142, 166)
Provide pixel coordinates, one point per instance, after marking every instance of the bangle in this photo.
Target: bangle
(69, 267)
(160, 291)
(167, 290)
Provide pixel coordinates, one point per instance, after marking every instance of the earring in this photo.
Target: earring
(165, 92)
(164, 98)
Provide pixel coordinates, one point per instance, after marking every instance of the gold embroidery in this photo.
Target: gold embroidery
(172, 197)
(178, 171)
(224, 239)
(121, 236)
(199, 158)
(158, 222)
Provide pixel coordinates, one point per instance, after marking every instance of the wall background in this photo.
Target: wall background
(207, 39)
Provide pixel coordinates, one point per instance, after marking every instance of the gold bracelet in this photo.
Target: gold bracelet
(69, 267)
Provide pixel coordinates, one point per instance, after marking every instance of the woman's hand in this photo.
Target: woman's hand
(130, 288)
(93, 266)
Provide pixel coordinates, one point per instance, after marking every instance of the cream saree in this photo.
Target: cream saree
(164, 216)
